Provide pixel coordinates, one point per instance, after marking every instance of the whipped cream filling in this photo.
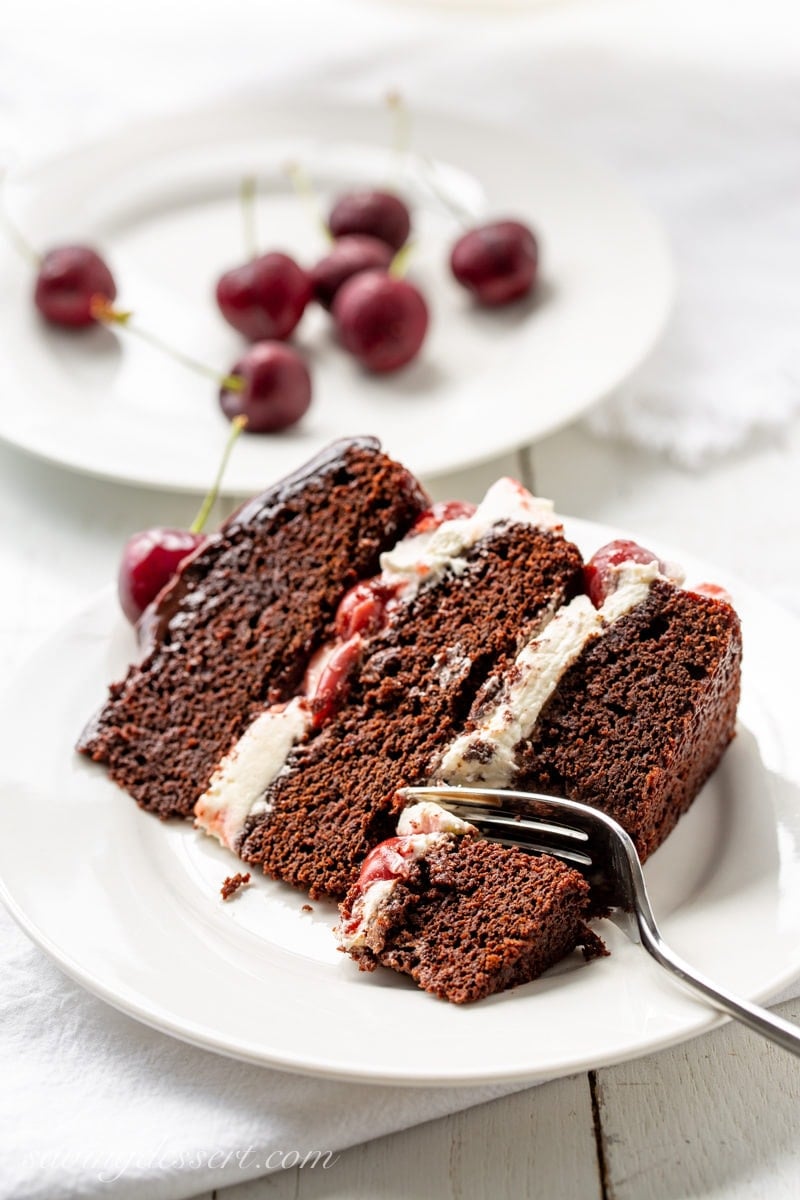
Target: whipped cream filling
(428, 817)
(486, 755)
(420, 828)
(239, 784)
(243, 777)
(427, 557)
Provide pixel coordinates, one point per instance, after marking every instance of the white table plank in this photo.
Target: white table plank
(535, 1143)
(715, 1118)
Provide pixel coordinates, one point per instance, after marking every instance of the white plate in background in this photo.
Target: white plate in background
(160, 200)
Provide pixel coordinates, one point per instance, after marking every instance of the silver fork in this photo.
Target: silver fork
(601, 850)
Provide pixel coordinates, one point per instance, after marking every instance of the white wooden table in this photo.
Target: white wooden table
(717, 1117)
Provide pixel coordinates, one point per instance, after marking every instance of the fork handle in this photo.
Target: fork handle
(760, 1020)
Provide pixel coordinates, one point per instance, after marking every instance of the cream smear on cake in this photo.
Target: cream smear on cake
(420, 828)
(486, 754)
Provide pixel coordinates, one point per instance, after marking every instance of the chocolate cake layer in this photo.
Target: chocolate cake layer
(473, 918)
(640, 721)
(336, 798)
(244, 616)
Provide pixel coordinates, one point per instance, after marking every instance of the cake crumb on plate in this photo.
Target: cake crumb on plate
(233, 883)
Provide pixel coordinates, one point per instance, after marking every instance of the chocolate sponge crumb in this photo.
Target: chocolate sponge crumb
(233, 883)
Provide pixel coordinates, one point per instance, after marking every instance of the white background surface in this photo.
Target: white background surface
(717, 1118)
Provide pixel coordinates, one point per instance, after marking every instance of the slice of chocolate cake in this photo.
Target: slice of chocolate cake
(338, 640)
(474, 589)
(462, 916)
(625, 701)
(243, 617)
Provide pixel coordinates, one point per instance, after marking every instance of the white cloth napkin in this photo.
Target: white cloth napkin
(728, 369)
(94, 1104)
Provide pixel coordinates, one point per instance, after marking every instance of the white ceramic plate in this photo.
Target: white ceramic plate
(161, 199)
(130, 907)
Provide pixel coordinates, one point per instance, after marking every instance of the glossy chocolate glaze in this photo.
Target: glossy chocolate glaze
(156, 621)
(238, 627)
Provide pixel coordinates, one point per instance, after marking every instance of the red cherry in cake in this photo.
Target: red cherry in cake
(388, 860)
(443, 510)
(379, 214)
(713, 591)
(381, 320)
(496, 262)
(364, 607)
(149, 561)
(348, 257)
(276, 389)
(335, 679)
(597, 572)
(70, 280)
(265, 298)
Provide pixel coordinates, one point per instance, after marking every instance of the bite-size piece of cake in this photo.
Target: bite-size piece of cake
(464, 917)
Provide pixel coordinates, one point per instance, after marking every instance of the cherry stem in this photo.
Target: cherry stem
(199, 523)
(304, 189)
(15, 235)
(247, 204)
(401, 124)
(399, 264)
(456, 210)
(102, 311)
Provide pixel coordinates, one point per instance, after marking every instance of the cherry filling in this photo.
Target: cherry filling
(713, 591)
(334, 682)
(437, 514)
(389, 860)
(364, 608)
(362, 612)
(598, 574)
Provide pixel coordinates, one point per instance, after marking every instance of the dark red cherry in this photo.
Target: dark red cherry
(496, 262)
(334, 682)
(380, 320)
(149, 561)
(69, 280)
(388, 860)
(264, 298)
(379, 214)
(348, 256)
(364, 607)
(597, 571)
(151, 558)
(276, 388)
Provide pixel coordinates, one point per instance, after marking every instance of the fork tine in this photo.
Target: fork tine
(571, 817)
(557, 838)
(545, 824)
(538, 824)
(521, 841)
